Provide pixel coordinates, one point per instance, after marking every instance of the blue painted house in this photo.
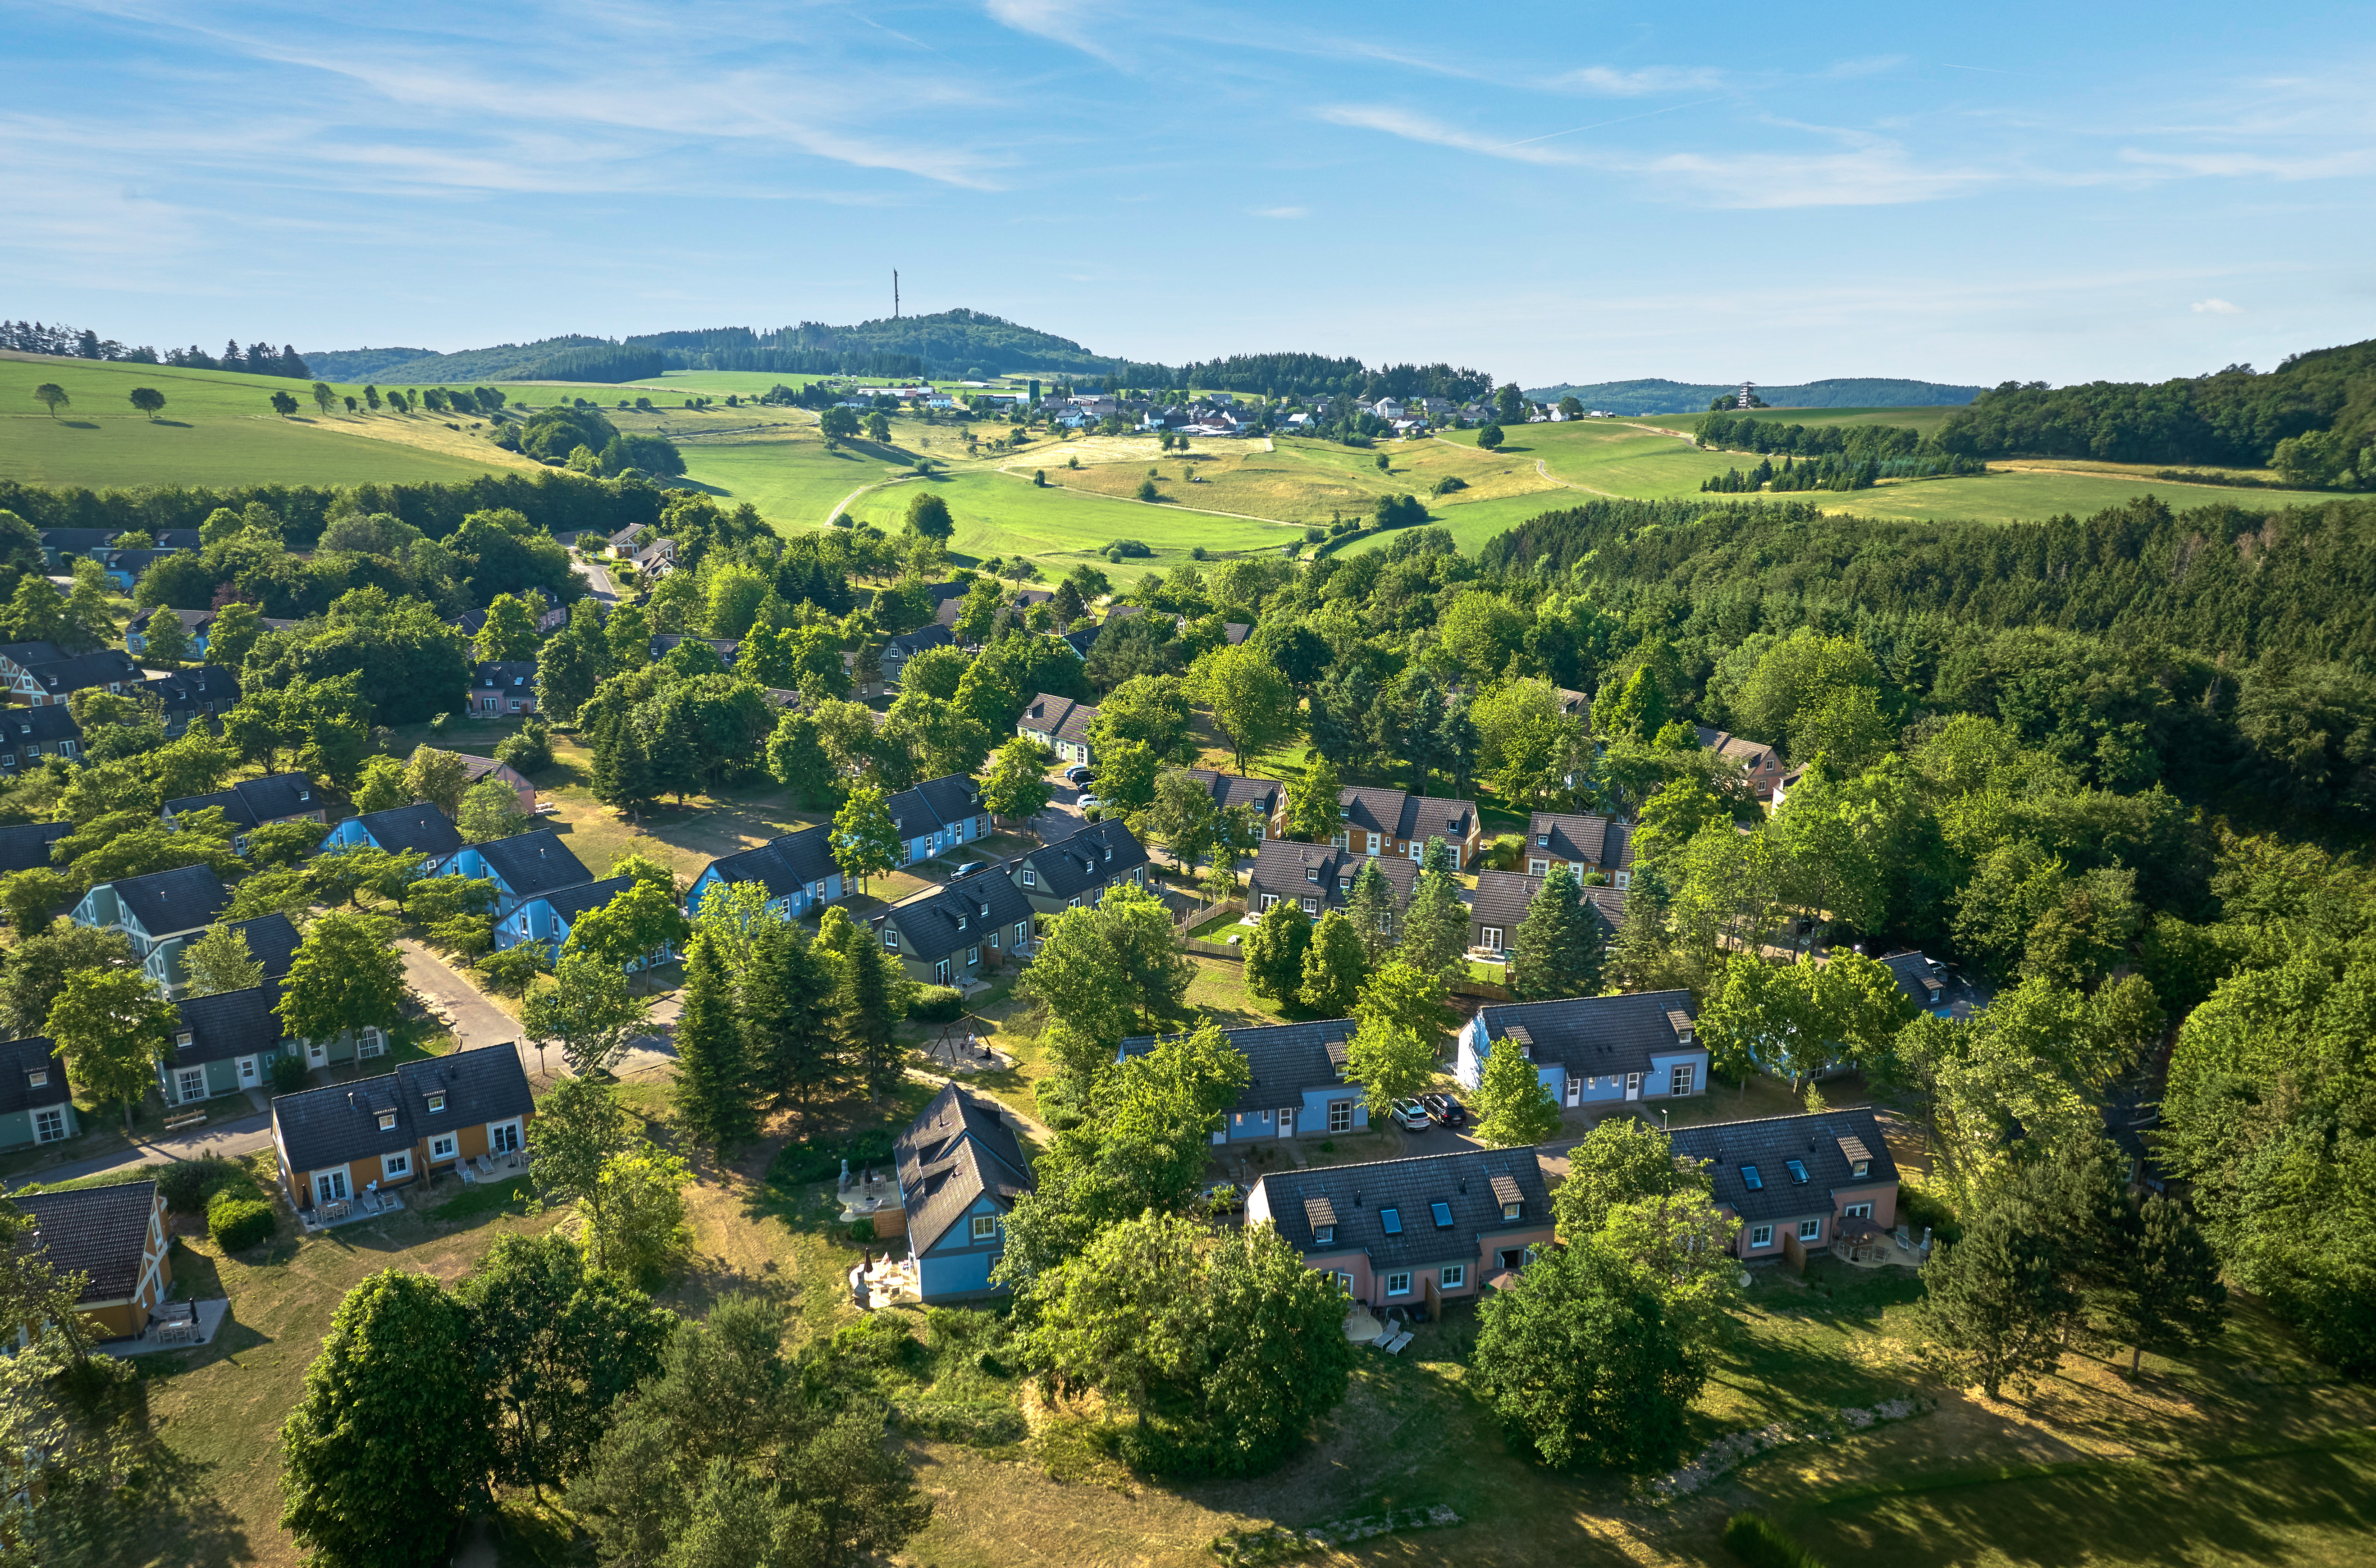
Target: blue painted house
(520, 866)
(547, 919)
(960, 1170)
(937, 816)
(35, 1104)
(798, 871)
(1297, 1087)
(1604, 1051)
(160, 913)
(418, 829)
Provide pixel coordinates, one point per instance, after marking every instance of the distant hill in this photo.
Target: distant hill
(505, 361)
(362, 364)
(1658, 397)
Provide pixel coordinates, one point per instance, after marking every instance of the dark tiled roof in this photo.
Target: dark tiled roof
(530, 863)
(1060, 716)
(1080, 642)
(201, 684)
(505, 674)
(166, 901)
(250, 803)
(271, 942)
(340, 1124)
(1608, 903)
(87, 669)
(1594, 1035)
(27, 845)
(79, 541)
(44, 726)
(1236, 790)
(194, 622)
(936, 802)
(929, 924)
(102, 1231)
(1503, 898)
(785, 865)
(571, 902)
(420, 828)
(909, 644)
(19, 1060)
(1916, 976)
(475, 767)
(1399, 814)
(1285, 1059)
(471, 622)
(1769, 1144)
(1572, 839)
(957, 1150)
(1284, 868)
(1462, 1180)
(1094, 856)
(1731, 747)
(229, 1024)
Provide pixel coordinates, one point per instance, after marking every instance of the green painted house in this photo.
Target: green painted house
(35, 1105)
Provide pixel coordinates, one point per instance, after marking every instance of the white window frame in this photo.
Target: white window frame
(1492, 943)
(441, 1147)
(973, 958)
(1810, 1230)
(1311, 905)
(1030, 877)
(504, 1137)
(1022, 932)
(1857, 1211)
(941, 972)
(371, 1042)
(330, 1186)
(1268, 899)
(1452, 1277)
(1761, 1236)
(1340, 1115)
(396, 1167)
(985, 1226)
(1539, 868)
(49, 1124)
(1680, 1076)
(1404, 1289)
(183, 1087)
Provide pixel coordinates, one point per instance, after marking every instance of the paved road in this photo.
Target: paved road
(598, 580)
(244, 1136)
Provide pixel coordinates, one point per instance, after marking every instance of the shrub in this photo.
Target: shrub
(237, 1223)
(1146, 491)
(1127, 547)
(1449, 484)
(528, 749)
(186, 1183)
(287, 1073)
(1919, 1206)
(1196, 553)
(1757, 1542)
(819, 1159)
(1314, 534)
(936, 1005)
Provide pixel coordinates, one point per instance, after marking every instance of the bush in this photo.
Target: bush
(1449, 484)
(529, 749)
(936, 1005)
(1129, 547)
(186, 1183)
(287, 1073)
(1314, 534)
(820, 1159)
(1757, 1542)
(878, 1341)
(1919, 1206)
(237, 1223)
(1196, 553)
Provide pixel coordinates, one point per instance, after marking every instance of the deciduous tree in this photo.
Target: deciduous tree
(112, 1026)
(1514, 1105)
(589, 1010)
(220, 961)
(865, 839)
(1275, 949)
(347, 975)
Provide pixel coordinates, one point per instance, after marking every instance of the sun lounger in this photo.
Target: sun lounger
(1394, 1348)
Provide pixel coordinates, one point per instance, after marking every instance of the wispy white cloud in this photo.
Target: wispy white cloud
(1076, 24)
(1417, 128)
(1881, 174)
(1613, 83)
(2257, 165)
(1278, 212)
(2215, 307)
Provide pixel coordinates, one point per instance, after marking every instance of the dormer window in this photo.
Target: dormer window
(436, 1099)
(1510, 1210)
(1543, 840)
(1323, 1236)
(388, 1121)
(1311, 874)
(891, 939)
(36, 1077)
(183, 1037)
(1030, 877)
(1863, 1168)
(1344, 814)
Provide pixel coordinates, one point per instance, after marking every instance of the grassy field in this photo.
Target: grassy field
(1923, 418)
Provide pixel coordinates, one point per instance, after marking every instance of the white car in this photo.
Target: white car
(1087, 802)
(1413, 1116)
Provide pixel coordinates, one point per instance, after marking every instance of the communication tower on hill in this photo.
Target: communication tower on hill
(1748, 397)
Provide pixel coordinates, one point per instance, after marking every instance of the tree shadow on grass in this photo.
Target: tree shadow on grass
(77, 424)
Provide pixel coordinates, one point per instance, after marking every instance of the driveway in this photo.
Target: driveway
(598, 581)
(459, 1004)
(225, 1140)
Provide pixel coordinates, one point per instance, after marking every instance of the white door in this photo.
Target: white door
(1574, 1090)
(318, 1054)
(1287, 1121)
(1633, 1086)
(246, 1072)
(329, 1185)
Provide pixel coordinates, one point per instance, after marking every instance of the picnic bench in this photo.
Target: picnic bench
(190, 1118)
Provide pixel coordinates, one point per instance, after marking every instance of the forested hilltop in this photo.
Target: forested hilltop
(1656, 395)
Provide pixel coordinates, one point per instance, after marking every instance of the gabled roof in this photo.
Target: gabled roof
(1733, 748)
(1574, 838)
(19, 1061)
(1399, 814)
(1503, 898)
(726, 648)
(28, 844)
(1059, 717)
(784, 865)
(252, 802)
(167, 901)
(199, 683)
(229, 1024)
(43, 726)
(1824, 1144)
(475, 767)
(936, 802)
(1285, 1059)
(192, 620)
(909, 644)
(271, 942)
(1235, 788)
(1921, 977)
(951, 918)
(530, 863)
(1358, 1195)
(84, 671)
(1283, 867)
(339, 1125)
(1593, 1035)
(505, 675)
(418, 828)
(32, 655)
(569, 903)
(949, 1157)
(101, 1231)
(1094, 856)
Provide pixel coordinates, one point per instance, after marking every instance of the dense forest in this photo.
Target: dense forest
(1654, 396)
(2234, 416)
(81, 343)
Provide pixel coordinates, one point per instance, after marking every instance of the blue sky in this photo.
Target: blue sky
(1570, 192)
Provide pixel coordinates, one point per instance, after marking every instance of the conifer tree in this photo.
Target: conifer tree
(2166, 1295)
(1514, 1105)
(623, 774)
(1995, 1307)
(712, 1096)
(1559, 948)
(870, 1010)
(787, 1001)
(1371, 909)
(1435, 928)
(1275, 952)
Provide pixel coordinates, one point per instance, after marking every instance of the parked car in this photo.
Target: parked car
(1412, 1116)
(1078, 778)
(969, 868)
(1446, 1109)
(1088, 803)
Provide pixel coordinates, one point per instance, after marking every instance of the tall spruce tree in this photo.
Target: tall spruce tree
(1333, 967)
(712, 1096)
(1995, 1308)
(1559, 948)
(869, 1012)
(623, 774)
(1371, 908)
(787, 1006)
(2165, 1295)
(1435, 928)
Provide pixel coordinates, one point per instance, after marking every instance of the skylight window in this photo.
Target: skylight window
(1442, 1212)
(1797, 1170)
(1392, 1218)
(1751, 1180)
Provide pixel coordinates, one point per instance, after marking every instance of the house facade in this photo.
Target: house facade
(520, 866)
(1319, 877)
(160, 913)
(1393, 822)
(385, 1132)
(1584, 843)
(907, 645)
(1797, 1185)
(1601, 1051)
(1412, 1232)
(504, 686)
(798, 871)
(256, 803)
(29, 736)
(476, 767)
(937, 816)
(36, 1104)
(955, 934)
(547, 920)
(197, 696)
(1059, 724)
(1758, 762)
(271, 942)
(1081, 870)
(45, 675)
(116, 1237)
(960, 1170)
(1297, 1086)
(226, 1043)
(1503, 898)
(420, 830)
